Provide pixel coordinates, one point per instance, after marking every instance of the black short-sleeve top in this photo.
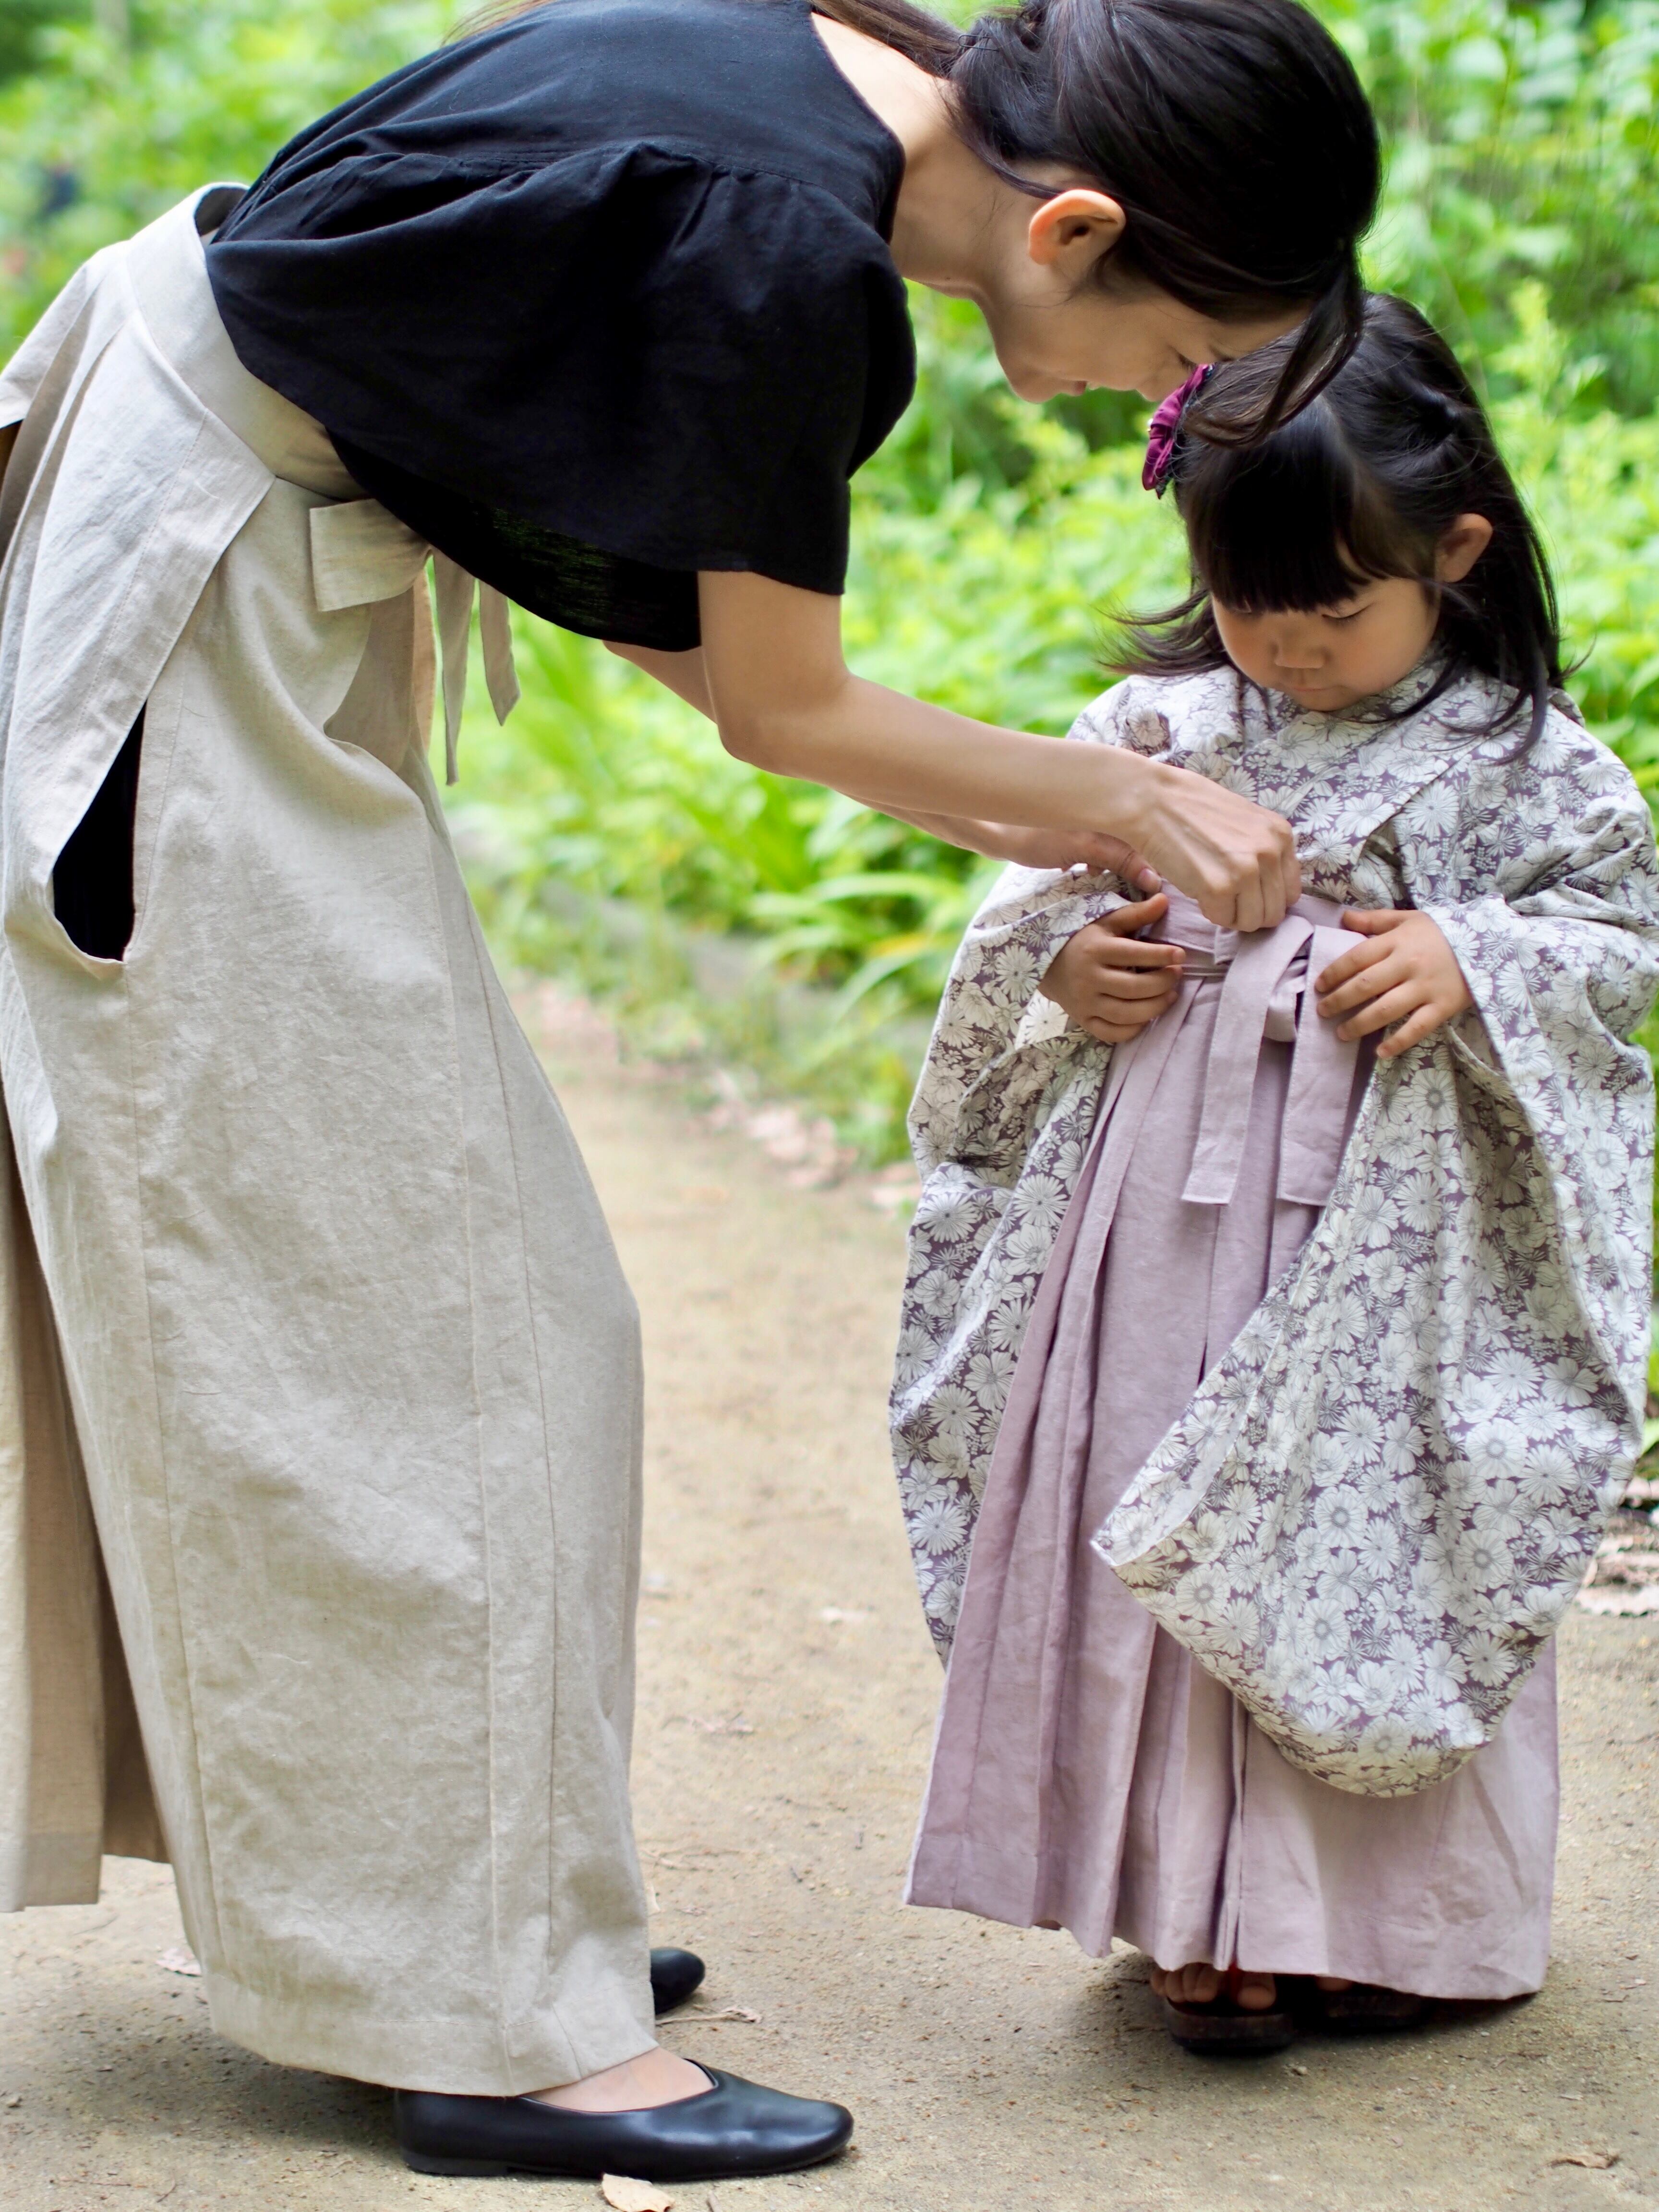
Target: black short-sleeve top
(592, 301)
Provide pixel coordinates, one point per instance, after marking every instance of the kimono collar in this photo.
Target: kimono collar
(1339, 777)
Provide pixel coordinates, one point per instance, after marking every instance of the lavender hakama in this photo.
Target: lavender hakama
(1088, 1774)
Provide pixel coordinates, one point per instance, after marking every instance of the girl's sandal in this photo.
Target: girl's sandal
(1225, 2029)
(1366, 2010)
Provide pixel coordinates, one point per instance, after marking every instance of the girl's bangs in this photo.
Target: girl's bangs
(1293, 524)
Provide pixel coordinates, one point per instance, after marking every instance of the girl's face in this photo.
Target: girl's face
(1331, 657)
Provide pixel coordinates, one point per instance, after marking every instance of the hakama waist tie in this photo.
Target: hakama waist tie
(1264, 983)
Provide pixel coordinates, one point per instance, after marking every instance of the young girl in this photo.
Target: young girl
(1276, 1319)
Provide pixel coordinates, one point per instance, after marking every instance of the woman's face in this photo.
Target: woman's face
(1060, 325)
(1145, 342)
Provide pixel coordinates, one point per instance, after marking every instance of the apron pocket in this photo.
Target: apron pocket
(92, 883)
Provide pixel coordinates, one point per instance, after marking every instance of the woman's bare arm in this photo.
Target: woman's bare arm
(683, 673)
(782, 696)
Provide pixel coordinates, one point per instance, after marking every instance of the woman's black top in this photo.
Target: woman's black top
(592, 301)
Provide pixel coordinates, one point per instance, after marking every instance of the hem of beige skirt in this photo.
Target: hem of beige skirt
(50, 1870)
(463, 2057)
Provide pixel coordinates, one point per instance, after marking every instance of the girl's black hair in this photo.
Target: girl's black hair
(1363, 484)
(1233, 133)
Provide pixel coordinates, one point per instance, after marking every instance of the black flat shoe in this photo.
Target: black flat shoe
(675, 1975)
(732, 2128)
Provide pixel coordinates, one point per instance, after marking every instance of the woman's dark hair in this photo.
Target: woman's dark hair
(1363, 484)
(1233, 133)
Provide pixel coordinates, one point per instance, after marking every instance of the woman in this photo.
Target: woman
(310, 1297)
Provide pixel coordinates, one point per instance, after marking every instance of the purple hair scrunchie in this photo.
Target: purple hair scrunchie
(1164, 431)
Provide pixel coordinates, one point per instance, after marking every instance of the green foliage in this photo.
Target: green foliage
(731, 912)
(136, 102)
(1522, 144)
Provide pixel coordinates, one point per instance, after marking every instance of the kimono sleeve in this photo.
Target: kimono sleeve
(996, 1043)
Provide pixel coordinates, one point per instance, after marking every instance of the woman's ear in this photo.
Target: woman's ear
(1071, 231)
(1460, 547)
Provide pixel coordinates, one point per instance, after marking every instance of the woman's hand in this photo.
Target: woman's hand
(1404, 972)
(1236, 860)
(1051, 848)
(1108, 982)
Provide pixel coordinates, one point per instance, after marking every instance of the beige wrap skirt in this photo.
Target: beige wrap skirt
(319, 1401)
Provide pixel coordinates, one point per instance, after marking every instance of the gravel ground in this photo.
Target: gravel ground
(787, 1694)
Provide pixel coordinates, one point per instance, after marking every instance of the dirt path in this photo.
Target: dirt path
(787, 1694)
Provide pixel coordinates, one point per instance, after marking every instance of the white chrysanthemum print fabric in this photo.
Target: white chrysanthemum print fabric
(1379, 1502)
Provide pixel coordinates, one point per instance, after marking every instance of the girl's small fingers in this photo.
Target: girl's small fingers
(1347, 964)
(1370, 921)
(1124, 921)
(1360, 990)
(1392, 1006)
(1131, 983)
(1133, 953)
(1137, 1011)
(1423, 1023)
(1119, 1025)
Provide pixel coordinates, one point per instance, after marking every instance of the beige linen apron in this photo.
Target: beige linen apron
(318, 1373)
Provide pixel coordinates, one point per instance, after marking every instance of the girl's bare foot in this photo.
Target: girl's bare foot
(1201, 1984)
(656, 2077)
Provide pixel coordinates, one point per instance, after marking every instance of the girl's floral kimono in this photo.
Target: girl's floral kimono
(1368, 1490)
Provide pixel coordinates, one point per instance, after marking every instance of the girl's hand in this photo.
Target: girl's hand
(1405, 972)
(1108, 982)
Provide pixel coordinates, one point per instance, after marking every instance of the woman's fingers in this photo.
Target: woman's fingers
(1234, 858)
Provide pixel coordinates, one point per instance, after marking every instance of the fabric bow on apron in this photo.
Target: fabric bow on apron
(361, 553)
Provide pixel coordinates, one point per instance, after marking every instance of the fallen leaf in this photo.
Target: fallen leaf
(1598, 2160)
(178, 1959)
(627, 2195)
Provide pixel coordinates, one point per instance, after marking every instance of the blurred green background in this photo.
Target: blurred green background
(732, 918)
